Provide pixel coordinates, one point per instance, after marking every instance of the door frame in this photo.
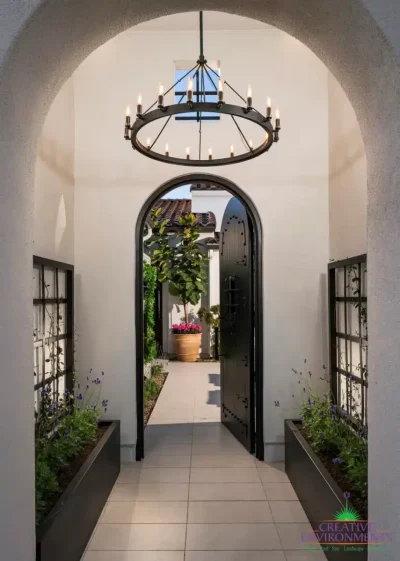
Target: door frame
(258, 297)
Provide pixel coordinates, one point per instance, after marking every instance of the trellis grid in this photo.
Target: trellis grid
(53, 329)
(348, 334)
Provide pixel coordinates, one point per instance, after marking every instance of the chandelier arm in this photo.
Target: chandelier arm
(233, 89)
(161, 131)
(212, 81)
(241, 132)
(168, 120)
(203, 85)
(173, 86)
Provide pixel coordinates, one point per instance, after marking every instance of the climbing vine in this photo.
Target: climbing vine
(150, 280)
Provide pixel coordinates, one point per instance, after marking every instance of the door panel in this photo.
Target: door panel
(237, 324)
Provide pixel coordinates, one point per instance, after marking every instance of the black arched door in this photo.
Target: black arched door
(237, 324)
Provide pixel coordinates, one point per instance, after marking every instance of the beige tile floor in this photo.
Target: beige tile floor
(198, 495)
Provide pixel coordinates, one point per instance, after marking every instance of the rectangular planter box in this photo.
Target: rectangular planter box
(318, 493)
(64, 534)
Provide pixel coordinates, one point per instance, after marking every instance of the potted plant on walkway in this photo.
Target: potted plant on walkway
(187, 339)
(181, 262)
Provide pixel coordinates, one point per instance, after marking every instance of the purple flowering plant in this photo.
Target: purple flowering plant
(65, 425)
(333, 431)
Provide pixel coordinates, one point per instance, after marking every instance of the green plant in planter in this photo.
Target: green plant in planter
(64, 427)
(333, 433)
(179, 259)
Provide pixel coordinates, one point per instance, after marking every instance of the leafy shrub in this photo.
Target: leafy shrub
(151, 389)
(150, 279)
(157, 369)
(210, 316)
(333, 433)
(64, 428)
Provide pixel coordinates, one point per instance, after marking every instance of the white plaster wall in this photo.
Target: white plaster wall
(54, 181)
(347, 178)
(214, 276)
(216, 201)
(289, 186)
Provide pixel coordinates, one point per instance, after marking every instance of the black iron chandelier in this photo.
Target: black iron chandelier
(199, 105)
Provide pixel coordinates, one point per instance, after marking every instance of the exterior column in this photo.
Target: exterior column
(384, 341)
(17, 514)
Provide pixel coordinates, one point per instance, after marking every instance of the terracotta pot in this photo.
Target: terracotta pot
(187, 346)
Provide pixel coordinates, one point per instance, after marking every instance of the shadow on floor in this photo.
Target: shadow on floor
(214, 398)
(215, 380)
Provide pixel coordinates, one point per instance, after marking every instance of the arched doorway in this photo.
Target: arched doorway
(36, 37)
(258, 419)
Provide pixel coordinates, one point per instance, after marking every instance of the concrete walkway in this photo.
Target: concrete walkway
(199, 495)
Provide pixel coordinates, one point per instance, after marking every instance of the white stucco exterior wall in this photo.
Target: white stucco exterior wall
(216, 201)
(347, 178)
(54, 181)
(289, 187)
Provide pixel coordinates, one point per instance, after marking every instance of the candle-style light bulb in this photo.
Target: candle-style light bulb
(232, 151)
(127, 122)
(249, 97)
(269, 108)
(210, 153)
(251, 144)
(277, 119)
(189, 92)
(187, 153)
(148, 143)
(139, 106)
(166, 150)
(220, 91)
(161, 95)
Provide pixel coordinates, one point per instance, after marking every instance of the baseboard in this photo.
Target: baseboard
(274, 452)
(128, 453)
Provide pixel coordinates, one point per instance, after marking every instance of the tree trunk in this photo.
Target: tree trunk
(185, 309)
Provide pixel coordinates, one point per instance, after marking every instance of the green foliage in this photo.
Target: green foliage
(67, 441)
(179, 259)
(331, 433)
(150, 279)
(151, 389)
(210, 316)
(157, 369)
(64, 428)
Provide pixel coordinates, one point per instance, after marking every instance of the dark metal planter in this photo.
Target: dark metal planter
(64, 534)
(319, 494)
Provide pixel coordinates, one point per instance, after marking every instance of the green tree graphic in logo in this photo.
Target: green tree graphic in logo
(347, 513)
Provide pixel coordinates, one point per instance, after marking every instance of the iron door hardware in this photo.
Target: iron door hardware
(244, 400)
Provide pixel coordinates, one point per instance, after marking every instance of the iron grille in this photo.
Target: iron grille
(53, 327)
(348, 334)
